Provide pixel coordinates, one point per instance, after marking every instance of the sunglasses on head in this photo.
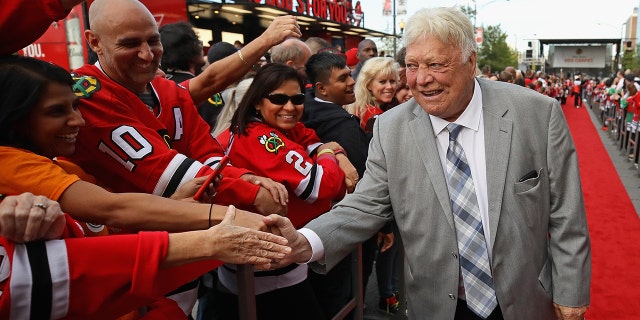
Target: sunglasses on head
(282, 99)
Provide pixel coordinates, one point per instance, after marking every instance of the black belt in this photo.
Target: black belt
(269, 273)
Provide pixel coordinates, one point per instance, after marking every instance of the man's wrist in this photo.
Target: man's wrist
(312, 248)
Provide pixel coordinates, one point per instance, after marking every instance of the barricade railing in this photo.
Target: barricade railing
(247, 297)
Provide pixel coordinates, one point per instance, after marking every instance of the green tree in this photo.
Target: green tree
(494, 51)
(629, 60)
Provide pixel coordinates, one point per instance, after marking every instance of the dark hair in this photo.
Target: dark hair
(400, 57)
(181, 46)
(268, 78)
(23, 81)
(220, 50)
(320, 65)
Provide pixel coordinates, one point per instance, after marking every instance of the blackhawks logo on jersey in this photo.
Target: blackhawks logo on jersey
(85, 86)
(271, 143)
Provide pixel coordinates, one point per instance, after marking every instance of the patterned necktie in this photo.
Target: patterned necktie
(474, 256)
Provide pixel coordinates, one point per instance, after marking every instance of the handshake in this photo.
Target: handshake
(242, 237)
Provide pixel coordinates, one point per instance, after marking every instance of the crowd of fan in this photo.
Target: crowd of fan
(155, 128)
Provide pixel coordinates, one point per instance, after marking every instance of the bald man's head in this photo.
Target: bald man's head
(367, 49)
(125, 37)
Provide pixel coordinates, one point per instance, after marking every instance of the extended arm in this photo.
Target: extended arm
(221, 74)
(139, 211)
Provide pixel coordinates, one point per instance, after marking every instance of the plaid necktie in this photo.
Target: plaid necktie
(474, 256)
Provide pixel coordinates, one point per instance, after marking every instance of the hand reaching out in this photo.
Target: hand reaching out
(28, 217)
(300, 246)
(187, 190)
(240, 245)
(282, 28)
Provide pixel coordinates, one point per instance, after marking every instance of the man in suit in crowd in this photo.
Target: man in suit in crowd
(482, 180)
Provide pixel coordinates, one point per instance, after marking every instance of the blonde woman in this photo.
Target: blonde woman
(375, 87)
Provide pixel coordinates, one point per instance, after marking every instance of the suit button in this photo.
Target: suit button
(451, 296)
(455, 255)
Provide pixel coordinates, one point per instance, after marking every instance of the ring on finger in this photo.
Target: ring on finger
(41, 206)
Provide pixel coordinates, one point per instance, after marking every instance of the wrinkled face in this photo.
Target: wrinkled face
(53, 124)
(339, 88)
(367, 50)
(130, 50)
(383, 88)
(283, 115)
(440, 82)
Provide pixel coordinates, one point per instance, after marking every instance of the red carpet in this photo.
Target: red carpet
(614, 225)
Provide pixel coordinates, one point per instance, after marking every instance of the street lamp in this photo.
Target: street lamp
(475, 10)
(401, 26)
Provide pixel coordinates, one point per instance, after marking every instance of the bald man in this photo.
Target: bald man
(292, 52)
(367, 49)
(143, 133)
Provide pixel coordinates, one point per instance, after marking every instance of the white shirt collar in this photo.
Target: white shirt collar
(470, 117)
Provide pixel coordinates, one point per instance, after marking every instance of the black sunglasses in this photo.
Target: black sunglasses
(282, 99)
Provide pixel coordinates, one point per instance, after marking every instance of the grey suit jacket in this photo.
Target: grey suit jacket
(541, 248)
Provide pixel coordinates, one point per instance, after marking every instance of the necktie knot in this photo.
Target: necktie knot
(454, 130)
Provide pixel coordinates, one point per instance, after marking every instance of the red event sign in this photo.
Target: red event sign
(323, 9)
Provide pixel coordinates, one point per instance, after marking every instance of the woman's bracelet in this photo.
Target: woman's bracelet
(242, 57)
(340, 151)
(323, 151)
(210, 209)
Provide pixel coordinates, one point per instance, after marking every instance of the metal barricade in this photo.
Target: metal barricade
(247, 297)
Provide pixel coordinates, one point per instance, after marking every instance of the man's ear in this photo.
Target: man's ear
(92, 40)
(321, 89)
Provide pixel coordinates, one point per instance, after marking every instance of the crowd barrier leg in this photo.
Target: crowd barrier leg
(246, 293)
(623, 134)
(356, 304)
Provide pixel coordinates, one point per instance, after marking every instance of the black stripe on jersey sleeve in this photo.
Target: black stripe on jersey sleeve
(174, 183)
(312, 181)
(41, 289)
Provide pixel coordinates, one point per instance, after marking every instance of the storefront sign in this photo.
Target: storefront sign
(323, 9)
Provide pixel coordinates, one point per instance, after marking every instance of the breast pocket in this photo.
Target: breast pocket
(532, 196)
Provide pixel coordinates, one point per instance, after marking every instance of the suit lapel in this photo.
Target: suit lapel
(497, 139)
(425, 142)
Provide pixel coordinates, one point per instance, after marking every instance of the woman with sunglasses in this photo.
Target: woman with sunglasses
(108, 276)
(267, 138)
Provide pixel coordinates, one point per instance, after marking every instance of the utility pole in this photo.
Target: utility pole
(395, 36)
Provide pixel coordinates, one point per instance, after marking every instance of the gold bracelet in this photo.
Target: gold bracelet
(323, 151)
(242, 57)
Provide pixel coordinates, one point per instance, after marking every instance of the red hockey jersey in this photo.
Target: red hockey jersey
(128, 148)
(90, 278)
(286, 158)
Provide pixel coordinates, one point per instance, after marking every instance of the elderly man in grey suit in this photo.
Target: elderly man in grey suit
(482, 179)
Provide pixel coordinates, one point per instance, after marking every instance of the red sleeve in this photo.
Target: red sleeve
(83, 277)
(30, 18)
(127, 149)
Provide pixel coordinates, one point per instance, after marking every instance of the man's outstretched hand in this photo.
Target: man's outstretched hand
(300, 248)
